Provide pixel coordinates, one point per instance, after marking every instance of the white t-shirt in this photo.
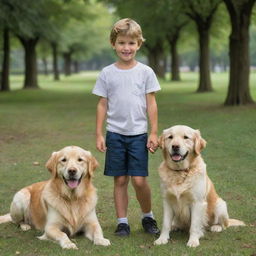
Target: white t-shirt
(125, 90)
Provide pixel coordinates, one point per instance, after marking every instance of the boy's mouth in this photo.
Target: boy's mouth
(126, 53)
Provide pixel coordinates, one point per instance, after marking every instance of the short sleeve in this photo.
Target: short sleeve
(152, 84)
(100, 87)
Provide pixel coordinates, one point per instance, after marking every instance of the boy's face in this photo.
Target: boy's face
(126, 48)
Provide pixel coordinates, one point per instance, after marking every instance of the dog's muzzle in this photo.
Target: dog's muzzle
(72, 181)
(176, 156)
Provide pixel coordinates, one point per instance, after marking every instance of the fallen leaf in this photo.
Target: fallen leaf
(247, 246)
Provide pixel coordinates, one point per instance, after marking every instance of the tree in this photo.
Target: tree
(176, 20)
(240, 16)
(60, 12)
(83, 37)
(28, 21)
(5, 16)
(202, 13)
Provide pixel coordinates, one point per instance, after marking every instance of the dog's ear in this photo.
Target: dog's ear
(92, 165)
(200, 143)
(161, 141)
(51, 164)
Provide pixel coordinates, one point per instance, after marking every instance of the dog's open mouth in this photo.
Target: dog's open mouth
(72, 183)
(176, 157)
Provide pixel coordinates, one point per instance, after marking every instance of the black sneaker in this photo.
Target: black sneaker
(150, 226)
(122, 229)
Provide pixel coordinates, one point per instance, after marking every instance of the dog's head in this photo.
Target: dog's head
(72, 164)
(181, 144)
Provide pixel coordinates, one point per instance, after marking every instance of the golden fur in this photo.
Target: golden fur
(190, 201)
(66, 202)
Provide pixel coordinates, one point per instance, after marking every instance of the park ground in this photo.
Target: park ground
(34, 123)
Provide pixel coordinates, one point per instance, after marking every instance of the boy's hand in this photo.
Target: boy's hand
(152, 144)
(100, 143)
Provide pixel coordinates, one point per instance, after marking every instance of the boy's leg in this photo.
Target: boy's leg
(143, 194)
(121, 195)
(121, 204)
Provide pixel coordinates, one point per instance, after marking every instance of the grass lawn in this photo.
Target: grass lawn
(34, 123)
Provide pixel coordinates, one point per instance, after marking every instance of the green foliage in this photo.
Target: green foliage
(89, 34)
(200, 9)
(34, 123)
(26, 18)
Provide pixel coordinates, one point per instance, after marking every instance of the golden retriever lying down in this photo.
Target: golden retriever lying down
(63, 205)
(189, 198)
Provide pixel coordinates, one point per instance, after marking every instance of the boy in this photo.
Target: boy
(127, 95)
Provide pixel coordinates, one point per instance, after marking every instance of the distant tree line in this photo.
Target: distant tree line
(61, 28)
(78, 30)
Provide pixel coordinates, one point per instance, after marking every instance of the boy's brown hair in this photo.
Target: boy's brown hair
(127, 27)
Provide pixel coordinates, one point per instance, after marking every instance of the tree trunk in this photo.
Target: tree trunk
(76, 66)
(156, 60)
(5, 84)
(238, 88)
(205, 84)
(175, 72)
(29, 45)
(45, 64)
(67, 63)
(56, 74)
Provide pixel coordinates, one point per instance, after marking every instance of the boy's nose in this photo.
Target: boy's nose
(126, 46)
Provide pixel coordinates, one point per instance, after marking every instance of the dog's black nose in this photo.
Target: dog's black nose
(72, 171)
(175, 148)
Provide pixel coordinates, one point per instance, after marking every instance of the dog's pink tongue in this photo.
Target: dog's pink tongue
(72, 183)
(176, 157)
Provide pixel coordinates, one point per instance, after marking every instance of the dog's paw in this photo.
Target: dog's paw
(69, 245)
(161, 240)
(25, 227)
(193, 242)
(216, 228)
(43, 237)
(101, 241)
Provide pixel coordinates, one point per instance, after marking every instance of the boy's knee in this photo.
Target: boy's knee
(121, 181)
(139, 182)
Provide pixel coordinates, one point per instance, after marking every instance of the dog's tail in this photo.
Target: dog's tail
(5, 218)
(234, 223)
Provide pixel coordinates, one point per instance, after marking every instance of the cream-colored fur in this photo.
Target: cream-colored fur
(190, 201)
(63, 205)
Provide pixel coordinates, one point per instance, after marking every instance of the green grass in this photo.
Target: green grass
(34, 123)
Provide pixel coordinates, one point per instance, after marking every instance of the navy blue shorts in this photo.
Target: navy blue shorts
(126, 155)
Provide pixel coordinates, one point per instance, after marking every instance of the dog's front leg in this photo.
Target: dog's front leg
(198, 221)
(167, 221)
(93, 230)
(53, 232)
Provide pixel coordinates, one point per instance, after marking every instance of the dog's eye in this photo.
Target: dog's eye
(79, 159)
(64, 160)
(186, 137)
(170, 137)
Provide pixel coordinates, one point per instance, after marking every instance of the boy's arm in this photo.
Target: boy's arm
(152, 144)
(100, 118)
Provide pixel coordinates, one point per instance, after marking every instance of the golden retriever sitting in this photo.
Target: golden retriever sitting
(189, 198)
(63, 205)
